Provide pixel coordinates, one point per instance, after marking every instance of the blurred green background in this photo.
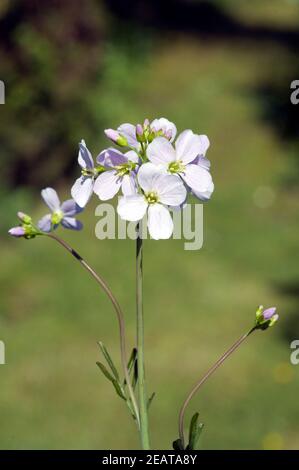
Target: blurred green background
(222, 68)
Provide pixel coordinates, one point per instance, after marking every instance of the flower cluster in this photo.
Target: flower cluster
(155, 171)
(154, 174)
(265, 318)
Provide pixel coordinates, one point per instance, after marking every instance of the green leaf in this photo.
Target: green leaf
(119, 390)
(109, 360)
(194, 432)
(114, 382)
(177, 445)
(132, 360)
(151, 399)
(105, 371)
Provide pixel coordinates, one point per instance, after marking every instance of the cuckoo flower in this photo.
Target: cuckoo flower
(158, 190)
(120, 173)
(186, 160)
(83, 187)
(129, 135)
(61, 213)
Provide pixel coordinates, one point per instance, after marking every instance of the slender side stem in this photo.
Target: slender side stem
(204, 378)
(119, 314)
(143, 408)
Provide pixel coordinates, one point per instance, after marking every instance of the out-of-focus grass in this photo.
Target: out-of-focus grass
(196, 303)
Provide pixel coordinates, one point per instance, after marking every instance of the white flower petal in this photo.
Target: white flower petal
(107, 185)
(189, 146)
(204, 195)
(50, 197)
(132, 156)
(148, 174)
(82, 190)
(205, 144)
(129, 185)
(199, 180)
(203, 162)
(132, 208)
(159, 222)
(160, 151)
(170, 189)
(84, 157)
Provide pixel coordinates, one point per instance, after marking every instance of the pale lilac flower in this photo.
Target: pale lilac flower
(120, 173)
(83, 187)
(60, 213)
(159, 190)
(183, 160)
(17, 231)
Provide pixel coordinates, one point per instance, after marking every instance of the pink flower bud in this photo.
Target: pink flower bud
(112, 135)
(139, 130)
(168, 134)
(116, 137)
(17, 232)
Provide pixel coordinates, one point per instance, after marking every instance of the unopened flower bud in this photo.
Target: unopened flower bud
(17, 232)
(139, 130)
(24, 218)
(168, 134)
(139, 133)
(116, 137)
(146, 123)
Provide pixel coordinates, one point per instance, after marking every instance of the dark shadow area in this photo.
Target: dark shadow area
(276, 105)
(204, 19)
(290, 324)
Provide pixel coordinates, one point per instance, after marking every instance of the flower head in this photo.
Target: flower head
(186, 159)
(60, 213)
(159, 190)
(120, 172)
(266, 318)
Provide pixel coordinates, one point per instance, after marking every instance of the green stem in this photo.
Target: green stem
(118, 311)
(142, 395)
(202, 380)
